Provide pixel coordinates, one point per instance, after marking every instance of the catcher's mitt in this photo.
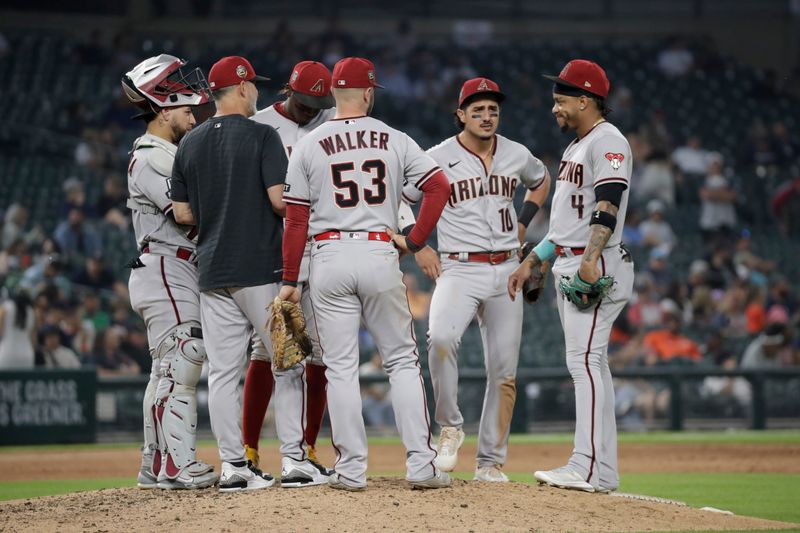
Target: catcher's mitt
(290, 343)
(574, 289)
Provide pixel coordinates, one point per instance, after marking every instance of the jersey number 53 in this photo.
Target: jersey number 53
(351, 193)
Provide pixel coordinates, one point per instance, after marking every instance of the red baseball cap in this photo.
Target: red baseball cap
(354, 73)
(585, 75)
(478, 86)
(232, 70)
(310, 83)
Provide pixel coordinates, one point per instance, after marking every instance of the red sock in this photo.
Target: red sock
(315, 402)
(257, 391)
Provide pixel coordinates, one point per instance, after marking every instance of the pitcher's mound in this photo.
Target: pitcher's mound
(388, 504)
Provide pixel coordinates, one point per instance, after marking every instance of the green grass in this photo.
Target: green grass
(772, 496)
(658, 437)
(16, 490)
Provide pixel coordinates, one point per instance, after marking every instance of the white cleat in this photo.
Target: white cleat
(335, 481)
(564, 478)
(450, 440)
(197, 475)
(491, 473)
(439, 480)
(296, 474)
(146, 479)
(248, 477)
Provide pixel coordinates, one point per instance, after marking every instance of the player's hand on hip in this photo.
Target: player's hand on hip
(428, 261)
(289, 293)
(517, 279)
(399, 241)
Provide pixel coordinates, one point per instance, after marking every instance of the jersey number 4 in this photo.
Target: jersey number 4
(577, 203)
(351, 193)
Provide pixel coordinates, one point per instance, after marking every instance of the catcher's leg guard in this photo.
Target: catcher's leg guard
(151, 454)
(182, 354)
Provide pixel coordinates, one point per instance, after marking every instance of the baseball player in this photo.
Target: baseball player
(586, 223)
(228, 176)
(308, 104)
(479, 238)
(343, 188)
(163, 282)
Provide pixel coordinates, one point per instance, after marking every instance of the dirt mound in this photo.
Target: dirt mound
(388, 504)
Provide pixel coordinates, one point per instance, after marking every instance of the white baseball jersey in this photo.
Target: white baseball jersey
(480, 215)
(601, 156)
(351, 173)
(149, 171)
(289, 130)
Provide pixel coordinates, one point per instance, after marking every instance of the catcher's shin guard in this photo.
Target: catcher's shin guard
(150, 449)
(182, 354)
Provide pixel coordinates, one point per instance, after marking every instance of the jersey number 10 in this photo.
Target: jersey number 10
(351, 193)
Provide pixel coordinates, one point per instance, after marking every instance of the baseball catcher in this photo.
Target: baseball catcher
(287, 330)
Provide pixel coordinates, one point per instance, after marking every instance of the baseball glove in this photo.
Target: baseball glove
(290, 343)
(574, 289)
(533, 286)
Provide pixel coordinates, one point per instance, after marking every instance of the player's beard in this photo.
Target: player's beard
(178, 131)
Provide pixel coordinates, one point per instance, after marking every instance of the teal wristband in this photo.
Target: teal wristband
(545, 250)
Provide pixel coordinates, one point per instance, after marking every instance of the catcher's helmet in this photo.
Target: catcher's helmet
(159, 82)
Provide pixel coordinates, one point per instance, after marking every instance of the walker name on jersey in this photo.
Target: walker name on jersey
(572, 172)
(470, 188)
(355, 140)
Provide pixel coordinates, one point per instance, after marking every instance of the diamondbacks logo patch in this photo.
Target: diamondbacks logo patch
(483, 86)
(615, 159)
(318, 87)
(241, 71)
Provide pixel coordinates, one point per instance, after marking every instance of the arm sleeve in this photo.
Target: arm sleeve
(296, 191)
(177, 183)
(294, 240)
(611, 160)
(534, 172)
(436, 192)
(273, 159)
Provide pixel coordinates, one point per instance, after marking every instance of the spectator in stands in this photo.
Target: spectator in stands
(656, 181)
(94, 275)
(643, 310)
(655, 133)
(765, 351)
(785, 203)
(632, 232)
(109, 358)
(717, 210)
(53, 354)
(781, 300)
(659, 269)
(732, 316)
(700, 293)
(656, 232)
(621, 101)
(376, 397)
(732, 394)
(720, 273)
(692, 158)
(77, 331)
(786, 147)
(14, 223)
(17, 327)
(669, 345)
(77, 238)
(13, 261)
(74, 198)
(48, 273)
(94, 313)
(676, 60)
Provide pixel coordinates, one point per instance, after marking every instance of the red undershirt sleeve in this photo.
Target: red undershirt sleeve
(436, 191)
(295, 235)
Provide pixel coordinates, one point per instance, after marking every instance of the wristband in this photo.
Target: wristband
(528, 211)
(545, 250)
(603, 218)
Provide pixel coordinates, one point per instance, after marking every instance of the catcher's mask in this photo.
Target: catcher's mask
(159, 82)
